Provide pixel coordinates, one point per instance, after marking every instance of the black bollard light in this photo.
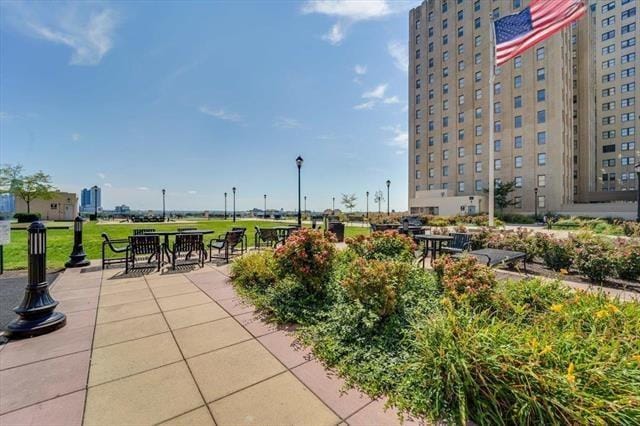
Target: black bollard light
(36, 311)
(78, 257)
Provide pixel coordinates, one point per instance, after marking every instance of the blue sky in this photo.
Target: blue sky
(197, 97)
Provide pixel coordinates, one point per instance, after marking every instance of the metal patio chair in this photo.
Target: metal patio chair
(189, 244)
(143, 245)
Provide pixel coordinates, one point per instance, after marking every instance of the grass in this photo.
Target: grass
(60, 241)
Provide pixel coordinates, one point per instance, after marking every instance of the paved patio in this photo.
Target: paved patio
(173, 348)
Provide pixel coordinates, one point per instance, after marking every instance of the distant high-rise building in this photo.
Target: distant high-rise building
(564, 111)
(89, 198)
(7, 204)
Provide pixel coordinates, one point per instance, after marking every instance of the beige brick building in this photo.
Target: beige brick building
(539, 120)
(63, 206)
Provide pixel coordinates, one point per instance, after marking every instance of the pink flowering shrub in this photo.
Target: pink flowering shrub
(465, 279)
(308, 256)
(383, 245)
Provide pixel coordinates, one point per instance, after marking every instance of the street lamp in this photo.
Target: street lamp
(164, 192)
(299, 162)
(95, 201)
(225, 206)
(367, 204)
(234, 203)
(305, 205)
(388, 185)
(264, 216)
(333, 205)
(535, 204)
(637, 168)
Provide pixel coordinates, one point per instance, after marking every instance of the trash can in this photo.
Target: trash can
(338, 230)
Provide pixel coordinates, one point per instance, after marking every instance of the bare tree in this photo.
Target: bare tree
(349, 201)
(378, 197)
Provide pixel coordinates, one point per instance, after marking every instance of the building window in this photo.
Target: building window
(628, 131)
(418, 69)
(497, 145)
(418, 114)
(610, 162)
(418, 98)
(461, 152)
(608, 49)
(608, 35)
(611, 119)
(461, 134)
(54, 206)
(497, 164)
(626, 102)
(542, 116)
(517, 142)
(517, 102)
(478, 130)
(445, 121)
(430, 93)
(518, 161)
(461, 100)
(609, 148)
(445, 104)
(629, 87)
(627, 116)
(460, 169)
(517, 121)
(445, 89)
(431, 141)
(628, 146)
(542, 138)
(541, 201)
(497, 107)
(445, 171)
(608, 134)
(478, 94)
(540, 53)
(478, 149)
(478, 166)
(477, 40)
(628, 161)
(417, 83)
(497, 126)
(541, 95)
(476, 6)
(517, 81)
(628, 72)
(476, 23)
(518, 181)
(478, 184)
(542, 181)
(608, 21)
(460, 31)
(477, 58)
(517, 202)
(478, 112)
(418, 143)
(460, 65)
(445, 39)
(460, 186)
(417, 129)
(417, 53)
(430, 124)
(460, 84)
(432, 173)
(629, 57)
(542, 159)
(628, 13)
(418, 174)
(430, 47)
(629, 28)
(517, 62)
(540, 74)
(445, 154)
(606, 78)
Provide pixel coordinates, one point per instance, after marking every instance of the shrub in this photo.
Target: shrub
(521, 240)
(517, 218)
(375, 283)
(593, 257)
(308, 256)
(465, 279)
(630, 229)
(440, 230)
(557, 254)
(26, 217)
(628, 259)
(383, 245)
(480, 238)
(255, 270)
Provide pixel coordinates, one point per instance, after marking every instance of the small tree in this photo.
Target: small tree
(502, 195)
(378, 197)
(25, 187)
(349, 201)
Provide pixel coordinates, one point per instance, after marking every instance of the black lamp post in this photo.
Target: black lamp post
(535, 204)
(299, 162)
(264, 216)
(36, 311)
(305, 204)
(95, 201)
(388, 185)
(225, 206)
(367, 204)
(333, 205)
(78, 257)
(234, 203)
(637, 168)
(164, 192)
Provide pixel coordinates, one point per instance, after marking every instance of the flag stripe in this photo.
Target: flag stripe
(547, 18)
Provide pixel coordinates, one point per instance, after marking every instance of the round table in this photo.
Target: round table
(433, 244)
(166, 235)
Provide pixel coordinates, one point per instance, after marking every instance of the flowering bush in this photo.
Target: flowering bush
(628, 259)
(383, 245)
(440, 230)
(308, 256)
(521, 240)
(255, 270)
(465, 279)
(593, 257)
(631, 229)
(375, 284)
(480, 238)
(556, 253)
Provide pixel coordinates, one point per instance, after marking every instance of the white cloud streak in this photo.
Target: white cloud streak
(365, 105)
(376, 93)
(360, 69)
(220, 114)
(286, 123)
(399, 54)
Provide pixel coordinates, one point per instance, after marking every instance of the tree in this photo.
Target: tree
(502, 193)
(378, 197)
(349, 201)
(25, 187)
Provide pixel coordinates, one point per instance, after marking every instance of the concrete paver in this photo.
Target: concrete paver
(129, 329)
(193, 315)
(65, 410)
(210, 336)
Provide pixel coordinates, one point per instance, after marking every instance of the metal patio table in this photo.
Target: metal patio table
(492, 257)
(166, 235)
(431, 243)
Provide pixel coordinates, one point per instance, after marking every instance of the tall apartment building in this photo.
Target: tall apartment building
(538, 120)
(606, 111)
(89, 198)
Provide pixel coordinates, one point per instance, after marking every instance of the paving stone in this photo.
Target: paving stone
(286, 348)
(147, 398)
(202, 338)
(163, 280)
(193, 315)
(122, 287)
(40, 381)
(130, 329)
(77, 304)
(62, 411)
(330, 388)
(198, 417)
(63, 294)
(222, 292)
(125, 297)
(236, 306)
(63, 341)
(80, 319)
(126, 311)
(174, 289)
(227, 370)
(376, 414)
(277, 401)
(183, 301)
(258, 325)
(124, 359)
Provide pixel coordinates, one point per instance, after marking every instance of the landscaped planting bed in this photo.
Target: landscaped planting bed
(453, 344)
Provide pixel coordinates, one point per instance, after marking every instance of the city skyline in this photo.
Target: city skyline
(238, 93)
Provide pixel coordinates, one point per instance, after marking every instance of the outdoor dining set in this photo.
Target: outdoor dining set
(149, 245)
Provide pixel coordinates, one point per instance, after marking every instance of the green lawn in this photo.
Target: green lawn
(60, 241)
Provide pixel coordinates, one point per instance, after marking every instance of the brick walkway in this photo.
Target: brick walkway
(172, 349)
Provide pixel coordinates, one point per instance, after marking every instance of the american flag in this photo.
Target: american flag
(516, 33)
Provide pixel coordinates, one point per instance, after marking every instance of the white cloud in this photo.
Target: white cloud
(101, 175)
(142, 188)
(400, 55)
(376, 93)
(360, 69)
(75, 137)
(220, 114)
(365, 105)
(88, 31)
(392, 100)
(107, 185)
(400, 137)
(192, 192)
(400, 152)
(286, 123)
(347, 12)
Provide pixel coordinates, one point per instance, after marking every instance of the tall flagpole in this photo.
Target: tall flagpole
(492, 76)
